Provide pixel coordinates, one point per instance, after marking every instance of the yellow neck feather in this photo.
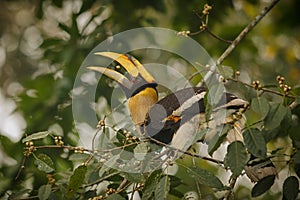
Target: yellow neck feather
(140, 104)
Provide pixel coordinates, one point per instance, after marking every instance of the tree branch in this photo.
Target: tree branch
(262, 89)
(232, 184)
(246, 30)
(187, 152)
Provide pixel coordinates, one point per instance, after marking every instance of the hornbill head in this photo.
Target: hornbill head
(139, 87)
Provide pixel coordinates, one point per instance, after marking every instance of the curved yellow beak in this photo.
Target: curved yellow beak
(131, 65)
(120, 78)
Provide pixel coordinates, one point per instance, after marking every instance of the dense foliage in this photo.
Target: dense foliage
(42, 46)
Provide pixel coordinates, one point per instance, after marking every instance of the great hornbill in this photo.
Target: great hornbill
(175, 118)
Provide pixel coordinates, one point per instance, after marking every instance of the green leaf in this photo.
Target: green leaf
(163, 187)
(140, 151)
(215, 94)
(238, 89)
(44, 163)
(286, 122)
(115, 197)
(108, 164)
(150, 185)
(120, 137)
(134, 177)
(225, 71)
(208, 107)
(290, 188)
(199, 135)
(176, 192)
(261, 106)
(275, 116)
(218, 139)
(255, 142)
(236, 158)
(36, 136)
(175, 181)
(263, 185)
(44, 192)
(76, 180)
(207, 178)
(78, 157)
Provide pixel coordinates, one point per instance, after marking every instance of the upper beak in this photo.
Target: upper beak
(131, 65)
(120, 78)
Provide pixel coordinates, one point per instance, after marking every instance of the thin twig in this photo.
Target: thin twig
(26, 198)
(232, 184)
(95, 135)
(62, 147)
(119, 147)
(101, 179)
(293, 105)
(93, 145)
(186, 152)
(217, 37)
(198, 189)
(246, 30)
(124, 188)
(122, 184)
(21, 168)
(262, 89)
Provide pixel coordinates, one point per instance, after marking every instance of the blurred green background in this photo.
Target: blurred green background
(44, 42)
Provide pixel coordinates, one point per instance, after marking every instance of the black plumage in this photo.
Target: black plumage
(160, 122)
